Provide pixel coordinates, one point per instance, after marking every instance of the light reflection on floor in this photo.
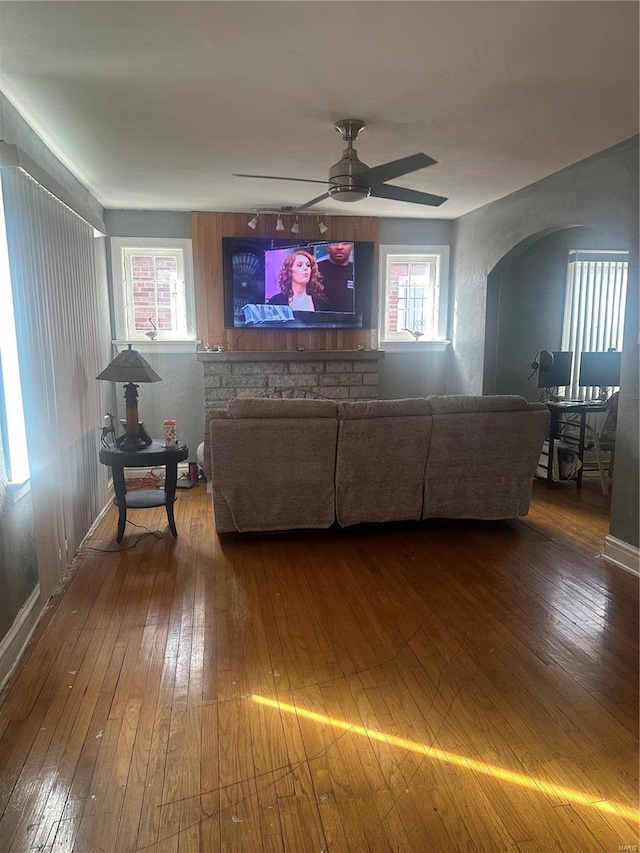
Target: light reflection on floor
(565, 794)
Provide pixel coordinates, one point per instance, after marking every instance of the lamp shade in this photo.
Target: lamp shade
(129, 366)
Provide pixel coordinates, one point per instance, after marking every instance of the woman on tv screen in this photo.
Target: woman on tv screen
(300, 284)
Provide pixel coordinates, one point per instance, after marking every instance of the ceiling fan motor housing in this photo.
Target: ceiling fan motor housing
(344, 175)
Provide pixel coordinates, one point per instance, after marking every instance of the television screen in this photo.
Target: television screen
(297, 284)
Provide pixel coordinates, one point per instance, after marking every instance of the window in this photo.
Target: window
(413, 295)
(594, 307)
(14, 435)
(153, 289)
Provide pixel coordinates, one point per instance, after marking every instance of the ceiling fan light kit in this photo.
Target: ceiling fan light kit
(351, 180)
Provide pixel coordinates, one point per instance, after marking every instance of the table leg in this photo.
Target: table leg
(170, 480)
(583, 429)
(553, 427)
(120, 488)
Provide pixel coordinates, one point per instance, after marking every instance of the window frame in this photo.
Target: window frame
(415, 252)
(123, 299)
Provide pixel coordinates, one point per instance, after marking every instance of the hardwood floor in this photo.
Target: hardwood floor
(452, 686)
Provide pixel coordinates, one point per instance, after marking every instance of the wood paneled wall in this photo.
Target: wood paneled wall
(207, 231)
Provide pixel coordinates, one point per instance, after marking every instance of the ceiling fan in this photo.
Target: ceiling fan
(352, 180)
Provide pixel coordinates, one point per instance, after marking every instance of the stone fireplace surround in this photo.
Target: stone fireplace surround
(320, 374)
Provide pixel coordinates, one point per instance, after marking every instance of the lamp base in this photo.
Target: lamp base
(131, 443)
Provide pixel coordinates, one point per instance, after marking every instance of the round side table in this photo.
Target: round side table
(149, 457)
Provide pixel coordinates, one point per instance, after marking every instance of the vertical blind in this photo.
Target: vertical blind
(62, 329)
(594, 308)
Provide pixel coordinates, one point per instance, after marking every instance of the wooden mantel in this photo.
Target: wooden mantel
(290, 355)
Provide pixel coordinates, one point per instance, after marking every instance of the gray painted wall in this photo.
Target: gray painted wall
(148, 223)
(180, 396)
(601, 193)
(412, 374)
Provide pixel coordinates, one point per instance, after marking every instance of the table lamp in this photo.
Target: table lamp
(132, 369)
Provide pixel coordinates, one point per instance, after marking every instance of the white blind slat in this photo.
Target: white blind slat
(594, 308)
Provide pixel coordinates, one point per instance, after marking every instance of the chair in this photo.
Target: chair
(605, 440)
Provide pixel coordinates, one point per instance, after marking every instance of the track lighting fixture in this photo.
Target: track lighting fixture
(322, 228)
(295, 228)
(279, 224)
(252, 223)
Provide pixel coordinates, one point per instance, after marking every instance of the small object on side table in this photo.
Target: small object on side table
(149, 457)
(170, 433)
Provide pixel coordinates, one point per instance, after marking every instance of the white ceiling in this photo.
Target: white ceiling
(154, 104)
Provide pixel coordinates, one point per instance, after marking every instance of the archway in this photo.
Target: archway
(525, 305)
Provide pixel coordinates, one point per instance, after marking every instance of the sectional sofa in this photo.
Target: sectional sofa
(283, 464)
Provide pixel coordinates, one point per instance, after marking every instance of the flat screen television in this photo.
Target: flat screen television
(600, 369)
(297, 284)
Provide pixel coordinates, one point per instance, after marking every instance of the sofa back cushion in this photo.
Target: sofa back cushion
(481, 464)
(382, 449)
(467, 403)
(383, 408)
(267, 407)
(271, 473)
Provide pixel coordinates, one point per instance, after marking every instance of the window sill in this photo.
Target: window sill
(158, 346)
(415, 346)
(17, 491)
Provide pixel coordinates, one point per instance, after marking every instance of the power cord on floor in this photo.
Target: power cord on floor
(157, 534)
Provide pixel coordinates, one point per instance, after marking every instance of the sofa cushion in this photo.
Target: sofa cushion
(471, 451)
(460, 403)
(488, 498)
(268, 407)
(380, 466)
(384, 408)
(273, 473)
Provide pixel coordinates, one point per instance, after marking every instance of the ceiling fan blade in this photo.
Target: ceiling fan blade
(279, 178)
(401, 194)
(312, 202)
(396, 168)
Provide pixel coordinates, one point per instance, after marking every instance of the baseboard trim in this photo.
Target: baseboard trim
(17, 638)
(622, 555)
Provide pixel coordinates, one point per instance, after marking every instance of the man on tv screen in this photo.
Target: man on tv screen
(337, 277)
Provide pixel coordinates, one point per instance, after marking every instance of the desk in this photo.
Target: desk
(149, 457)
(570, 408)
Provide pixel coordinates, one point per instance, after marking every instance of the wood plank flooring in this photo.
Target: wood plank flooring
(452, 686)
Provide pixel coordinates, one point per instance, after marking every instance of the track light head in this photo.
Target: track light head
(279, 224)
(322, 228)
(252, 223)
(295, 228)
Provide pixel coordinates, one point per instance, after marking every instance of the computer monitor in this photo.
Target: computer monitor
(600, 369)
(558, 372)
